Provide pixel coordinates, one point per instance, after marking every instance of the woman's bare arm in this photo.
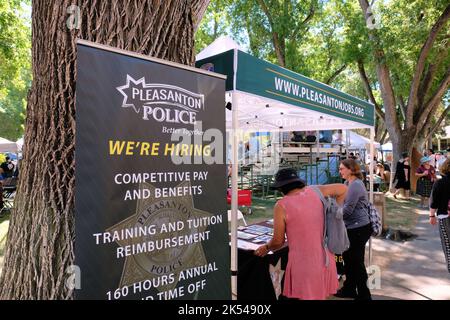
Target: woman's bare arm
(279, 230)
(337, 190)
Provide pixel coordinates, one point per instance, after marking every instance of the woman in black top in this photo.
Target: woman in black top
(402, 175)
(440, 208)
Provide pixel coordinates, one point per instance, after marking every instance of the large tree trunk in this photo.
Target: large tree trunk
(41, 237)
(416, 118)
(414, 148)
(400, 144)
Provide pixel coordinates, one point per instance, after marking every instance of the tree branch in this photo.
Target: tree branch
(426, 48)
(426, 84)
(439, 121)
(310, 15)
(432, 104)
(379, 128)
(198, 10)
(330, 59)
(266, 11)
(429, 77)
(383, 137)
(278, 43)
(440, 91)
(335, 74)
(402, 106)
(387, 91)
(369, 92)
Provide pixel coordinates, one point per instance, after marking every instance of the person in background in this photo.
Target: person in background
(311, 136)
(442, 159)
(338, 137)
(403, 176)
(7, 167)
(300, 216)
(1, 188)
(440, 208)
(356, 218)
(16, 170)
(326, 136)
(430, 154)
(438, 156)
(427, 176)
(297, 136)
(378, 177)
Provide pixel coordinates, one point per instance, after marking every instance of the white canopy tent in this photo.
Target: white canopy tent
(20, 143)
(265, 97)
(7, 146)
(358, 141)
(220, 45)
(387, 146)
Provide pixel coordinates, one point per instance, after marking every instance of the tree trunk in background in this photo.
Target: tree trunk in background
(41, 237)
(419, 114)
(399, 145)
(415, 163)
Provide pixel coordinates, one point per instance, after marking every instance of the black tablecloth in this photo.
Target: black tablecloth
(254, 281)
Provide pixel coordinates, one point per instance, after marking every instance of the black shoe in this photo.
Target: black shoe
(342, 293)
(364, 298)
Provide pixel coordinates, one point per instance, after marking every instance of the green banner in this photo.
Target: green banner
(265, 79)
(268, 80)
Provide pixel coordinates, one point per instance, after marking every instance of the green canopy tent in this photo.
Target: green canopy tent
(266, 97)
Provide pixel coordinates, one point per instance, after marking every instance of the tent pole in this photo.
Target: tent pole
(371, 167)
(347, 142)
(391, 177)
(317, 154)
(234, 185)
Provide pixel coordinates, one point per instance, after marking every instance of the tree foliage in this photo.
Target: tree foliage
(15, 67)
(409, 50)
(215, 23)
(333, 42)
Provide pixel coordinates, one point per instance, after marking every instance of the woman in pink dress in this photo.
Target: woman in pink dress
(300, 216)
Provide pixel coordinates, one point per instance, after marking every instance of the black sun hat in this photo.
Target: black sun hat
(286, 176)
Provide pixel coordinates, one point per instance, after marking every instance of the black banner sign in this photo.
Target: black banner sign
(150, 202)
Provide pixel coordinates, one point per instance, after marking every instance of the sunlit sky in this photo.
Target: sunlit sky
(27, 12)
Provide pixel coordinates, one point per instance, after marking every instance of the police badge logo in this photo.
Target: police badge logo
(161, 240)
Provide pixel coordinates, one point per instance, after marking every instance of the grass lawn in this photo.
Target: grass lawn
(400, 214)
(261, 210)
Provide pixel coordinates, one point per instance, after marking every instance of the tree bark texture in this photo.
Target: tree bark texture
(40, 244)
